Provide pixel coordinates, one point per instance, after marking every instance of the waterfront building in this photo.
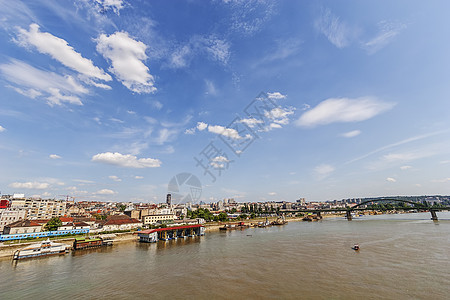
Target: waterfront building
(118, 222)
(22, 226)
(158, 218)
(11, 215)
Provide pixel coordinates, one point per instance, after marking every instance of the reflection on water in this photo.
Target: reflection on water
(402, 256)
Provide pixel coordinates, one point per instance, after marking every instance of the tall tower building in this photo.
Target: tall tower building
(169, 200)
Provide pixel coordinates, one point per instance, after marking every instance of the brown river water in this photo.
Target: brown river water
(403, 256)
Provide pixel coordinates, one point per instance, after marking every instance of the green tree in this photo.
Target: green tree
(222, 217)
(53, 224)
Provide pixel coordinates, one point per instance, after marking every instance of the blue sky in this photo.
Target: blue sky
(110, 99)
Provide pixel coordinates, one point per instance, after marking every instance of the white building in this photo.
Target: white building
(11, 215)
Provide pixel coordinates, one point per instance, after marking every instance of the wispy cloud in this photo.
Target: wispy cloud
(390, 179)
(387, 32)
(402, 142)
(126, 160)
(351, 134)
(335, 30)
(105, 192)
(30, 185)
(127, 58)
(54, 156)
(342, 110)
(323, 171)
(114, 178)
(2, 128)
(34, 82)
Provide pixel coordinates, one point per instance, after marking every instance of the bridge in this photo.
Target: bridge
(348, 211)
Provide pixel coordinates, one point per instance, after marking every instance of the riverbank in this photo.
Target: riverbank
(7, 250)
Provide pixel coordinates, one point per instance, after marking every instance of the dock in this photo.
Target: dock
(170, 233)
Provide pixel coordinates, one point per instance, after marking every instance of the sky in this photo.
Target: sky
(110, 100)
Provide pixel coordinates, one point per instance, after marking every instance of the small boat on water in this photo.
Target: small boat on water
(43, 248)
(355, 247)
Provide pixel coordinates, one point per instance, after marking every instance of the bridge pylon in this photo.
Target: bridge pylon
(348, 215)
(433, 215)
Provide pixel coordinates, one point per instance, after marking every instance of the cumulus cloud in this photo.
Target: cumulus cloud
(201, 126)
(115, 178)
(227, 132)
(126, 56)
(322, 171)
(126, 160)
(390, 179)
(251, 122)
(2, 128)
(30, 185)
(351, 134)
(105, 192)
(34, 82)
(335, 110)
(219, 162)
(60, 50)
(54, 156)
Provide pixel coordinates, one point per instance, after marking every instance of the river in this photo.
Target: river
(404, 256)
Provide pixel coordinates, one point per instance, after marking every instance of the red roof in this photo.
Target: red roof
(121, 221)
(66, 219)
(170, 228)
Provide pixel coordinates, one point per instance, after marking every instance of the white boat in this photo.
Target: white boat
(43, 248)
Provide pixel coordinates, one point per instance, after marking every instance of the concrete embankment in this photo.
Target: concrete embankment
(7, 250)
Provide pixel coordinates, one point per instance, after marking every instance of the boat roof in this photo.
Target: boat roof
(169, 228)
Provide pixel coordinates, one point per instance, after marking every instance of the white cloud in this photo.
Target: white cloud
(190, 131)
(126, 160)
(59, 50)
(406, 156)
(280, 115)
(322, 171)
(227, 132)
(405, 167)
(388, 31)
(390, 179)
(351, 134)
(54, 156)
(115, 178)
(115, 5)
(202, 126)
(336, 31)
(444, 162)
(105, 192)
(214, 48)
(272, 194)
(219, 162)
(276, 95)
(218, 49)
(139, 177)
(126, 56)
(251, 122)
(343, 110)
(305, 106)
(34, 82)
(2, 128)
(30, 185)
(441, 180)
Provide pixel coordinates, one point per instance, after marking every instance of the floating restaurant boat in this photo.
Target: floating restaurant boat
(90, 242)
(239, 225)
(43, 248)
(170, 233)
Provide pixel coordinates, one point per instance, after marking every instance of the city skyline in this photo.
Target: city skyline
(111, 100)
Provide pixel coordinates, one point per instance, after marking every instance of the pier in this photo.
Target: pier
(170, 233)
